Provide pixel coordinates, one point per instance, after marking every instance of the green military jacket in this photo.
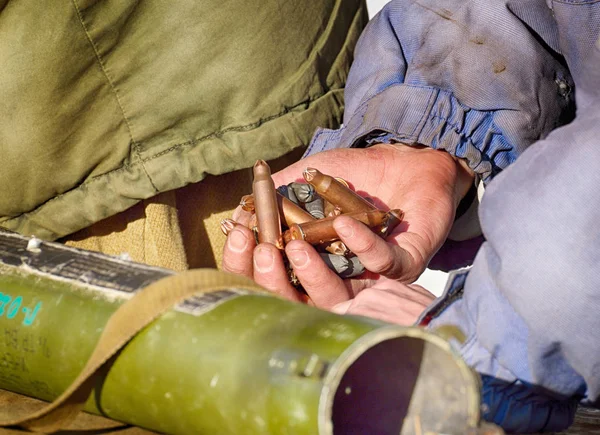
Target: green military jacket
(105, 103)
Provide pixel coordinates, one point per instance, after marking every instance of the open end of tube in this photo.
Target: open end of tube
(402, 385)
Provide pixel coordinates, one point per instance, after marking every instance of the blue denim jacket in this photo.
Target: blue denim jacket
(480, 79)
(484, 80)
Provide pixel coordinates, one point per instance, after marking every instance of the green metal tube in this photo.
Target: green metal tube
(224, 363)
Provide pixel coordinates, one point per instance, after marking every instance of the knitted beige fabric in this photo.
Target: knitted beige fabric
(179, 229)
(148, 232)
(201, 208)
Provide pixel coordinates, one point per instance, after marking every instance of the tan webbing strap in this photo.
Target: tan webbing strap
(129, 319)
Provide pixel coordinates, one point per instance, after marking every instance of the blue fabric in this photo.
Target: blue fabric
(484, 80)
(480, 79)
(530, 305)
(519, 408)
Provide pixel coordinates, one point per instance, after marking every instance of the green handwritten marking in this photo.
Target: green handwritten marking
(4, 299)
(12, 306)
(30, 315)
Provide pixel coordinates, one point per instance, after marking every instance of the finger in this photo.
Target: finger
(237, 253)
(375, 253)
(270, 271)
(241, 216)
(323, 286)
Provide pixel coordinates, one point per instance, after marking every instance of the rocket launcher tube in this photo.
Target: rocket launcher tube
(230, 362)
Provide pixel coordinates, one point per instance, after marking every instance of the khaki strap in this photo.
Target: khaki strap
(125, 323)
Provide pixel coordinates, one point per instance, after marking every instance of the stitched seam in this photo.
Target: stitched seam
(429, 107)
(124, 167)
(113, 89)
(576, 2)
(246, 127)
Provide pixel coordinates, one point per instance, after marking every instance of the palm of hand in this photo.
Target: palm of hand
(420, 181)
(424, 183)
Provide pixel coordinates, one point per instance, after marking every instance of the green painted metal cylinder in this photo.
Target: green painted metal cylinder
(231, 362)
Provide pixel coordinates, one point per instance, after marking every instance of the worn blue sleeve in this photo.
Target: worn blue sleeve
(481, 79)
(530, 305)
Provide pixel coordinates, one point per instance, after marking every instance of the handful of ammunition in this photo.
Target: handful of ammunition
(305, 211)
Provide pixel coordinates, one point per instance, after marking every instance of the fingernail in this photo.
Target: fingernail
(298, 258)
(263, 259)
(344, 230)
(341, 308)
(237, 242)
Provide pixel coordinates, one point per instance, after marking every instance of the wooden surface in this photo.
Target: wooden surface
(587, 421)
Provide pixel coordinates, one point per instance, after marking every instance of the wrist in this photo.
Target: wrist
(465, 179)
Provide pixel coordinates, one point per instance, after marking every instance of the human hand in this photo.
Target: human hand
(426, 184)
(388, 300)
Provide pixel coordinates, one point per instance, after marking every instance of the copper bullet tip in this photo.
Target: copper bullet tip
(247, 203)
(309, 174)
(227, 225)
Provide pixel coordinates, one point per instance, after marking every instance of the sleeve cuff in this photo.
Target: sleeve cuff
(427, 116)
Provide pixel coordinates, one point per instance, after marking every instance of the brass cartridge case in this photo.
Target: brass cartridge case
(331, 210)
(394, 217)
(292, 213)
(321, 231)
(336, 193)
(344, 182)
(265, 204)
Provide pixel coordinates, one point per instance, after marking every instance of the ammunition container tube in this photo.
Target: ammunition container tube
(230, 362)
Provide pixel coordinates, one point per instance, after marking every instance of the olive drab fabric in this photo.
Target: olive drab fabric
(105, 103)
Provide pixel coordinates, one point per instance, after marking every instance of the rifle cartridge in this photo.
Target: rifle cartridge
(336, 193)
(393, 219)
(292, 213)
(265, 204)
(331, 210)
(321, 231)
